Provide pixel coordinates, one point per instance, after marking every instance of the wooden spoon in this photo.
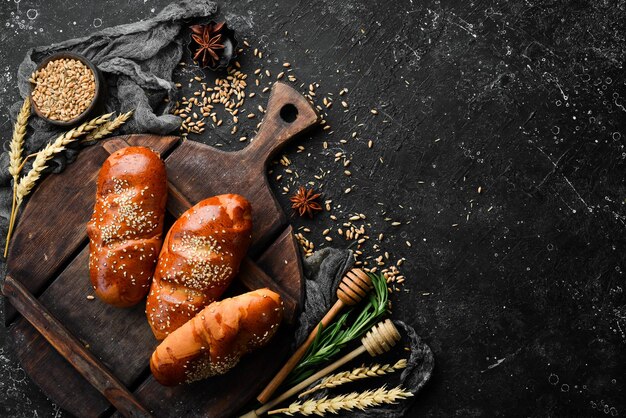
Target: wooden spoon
(378, 340)
(354, 286)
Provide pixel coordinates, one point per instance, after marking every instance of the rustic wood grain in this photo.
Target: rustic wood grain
(53, 374)
(280, 267)
(111, 334)
(199, 171)
(72, 349)
(120, 338)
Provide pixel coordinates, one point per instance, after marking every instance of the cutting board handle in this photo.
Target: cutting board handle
(288, 113)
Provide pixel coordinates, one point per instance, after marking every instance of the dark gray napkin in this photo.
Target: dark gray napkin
(324, 270)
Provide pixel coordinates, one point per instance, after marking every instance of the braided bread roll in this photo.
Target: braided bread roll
(214, 340)
(199, 259)
(125, 230)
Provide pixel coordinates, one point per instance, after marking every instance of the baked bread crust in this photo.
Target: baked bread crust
(200, 257)
(126, 228)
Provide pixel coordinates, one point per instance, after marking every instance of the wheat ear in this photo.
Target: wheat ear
(359, 373)
(99, 133)
(363, 400)
(17, 142)
(108, 127)
(15, 156)
(26, 183)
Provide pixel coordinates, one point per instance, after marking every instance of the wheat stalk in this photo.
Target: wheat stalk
(26, 183)
(102, 131)
(15, 153)
(15, 156)
(347, 402)
(108, 127)
(359, 373)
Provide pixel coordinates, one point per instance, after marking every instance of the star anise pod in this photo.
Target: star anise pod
(208, 38)
(304, 202)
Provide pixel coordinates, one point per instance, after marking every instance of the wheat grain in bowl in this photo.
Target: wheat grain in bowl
(63, 89)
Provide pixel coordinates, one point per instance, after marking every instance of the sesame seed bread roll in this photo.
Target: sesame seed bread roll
(126, 228)
(200, 257)
(213, 341)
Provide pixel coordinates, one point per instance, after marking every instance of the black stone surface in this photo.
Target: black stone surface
(499, 145)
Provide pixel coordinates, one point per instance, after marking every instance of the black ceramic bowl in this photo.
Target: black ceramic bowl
(93, 109)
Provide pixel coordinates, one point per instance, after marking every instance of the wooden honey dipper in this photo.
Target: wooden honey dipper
(354, 286)
(378, 340)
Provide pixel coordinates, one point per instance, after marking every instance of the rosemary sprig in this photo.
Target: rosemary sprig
(330, 340)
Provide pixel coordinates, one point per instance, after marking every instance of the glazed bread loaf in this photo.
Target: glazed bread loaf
(214, 340)
(200, 257)
(125, 230)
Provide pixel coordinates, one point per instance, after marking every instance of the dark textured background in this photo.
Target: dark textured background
(518, 289)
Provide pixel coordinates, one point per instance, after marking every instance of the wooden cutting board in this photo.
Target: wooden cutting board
(93, 359)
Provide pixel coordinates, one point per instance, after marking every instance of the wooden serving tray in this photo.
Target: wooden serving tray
(93, 359)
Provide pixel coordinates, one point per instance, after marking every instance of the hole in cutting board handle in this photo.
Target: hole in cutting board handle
(288, 113)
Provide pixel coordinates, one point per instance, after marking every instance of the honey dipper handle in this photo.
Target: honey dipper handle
(325, 371)
(295, 357)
